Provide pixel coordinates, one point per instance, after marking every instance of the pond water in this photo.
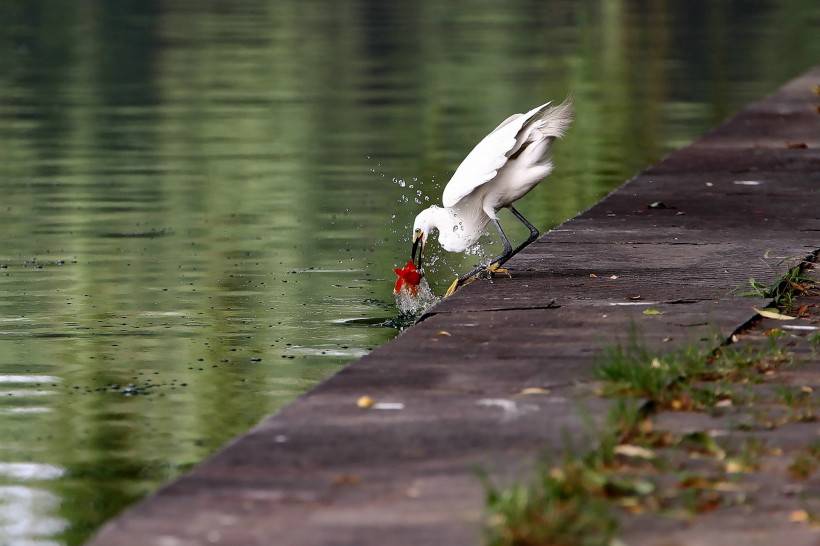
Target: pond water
(201, 203)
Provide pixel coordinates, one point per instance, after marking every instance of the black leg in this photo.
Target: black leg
(508, 253)
(498, 260)
(533, 231)
(508, 249)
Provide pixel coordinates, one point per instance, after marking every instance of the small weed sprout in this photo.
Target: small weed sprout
(748, 456)
(803, 466)
(790, 396)
(568, 503)
(773, 336)
(563, 505)
(814, 341)
(806, 462)
(688, 379)
(756, 290)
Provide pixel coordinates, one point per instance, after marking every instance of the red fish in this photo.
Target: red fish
(409, 276)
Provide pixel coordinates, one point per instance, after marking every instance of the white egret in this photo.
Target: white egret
(500, 170)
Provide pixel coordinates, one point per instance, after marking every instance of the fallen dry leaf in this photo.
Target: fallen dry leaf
(631, 504)
(534, 390)
(443, 333)
(730, 487)
(651, 311)
(772, 314)
(628, 450)
(796, 145)
(799, 516)
(365, 402)
(696, 482)
(346, 479)
(710, 501)
(734, 466)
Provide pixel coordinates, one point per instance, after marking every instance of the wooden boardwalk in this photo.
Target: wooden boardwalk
(325, 472)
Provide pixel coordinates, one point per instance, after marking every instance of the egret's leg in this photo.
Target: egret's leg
(533, 230)
(495, 263)
(493, 267)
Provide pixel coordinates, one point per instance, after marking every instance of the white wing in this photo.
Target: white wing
(483, 162)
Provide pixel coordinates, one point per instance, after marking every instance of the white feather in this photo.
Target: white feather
(493, 153)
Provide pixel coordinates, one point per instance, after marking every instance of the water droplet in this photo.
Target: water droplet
(414, 306)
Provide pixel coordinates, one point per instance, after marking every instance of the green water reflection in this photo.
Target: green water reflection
(196, 196)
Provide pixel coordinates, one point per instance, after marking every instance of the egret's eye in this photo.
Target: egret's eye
(417, 231)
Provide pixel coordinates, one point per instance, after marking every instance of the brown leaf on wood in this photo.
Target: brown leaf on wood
(346, 479)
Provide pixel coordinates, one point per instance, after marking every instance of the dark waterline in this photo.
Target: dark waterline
(202, 204)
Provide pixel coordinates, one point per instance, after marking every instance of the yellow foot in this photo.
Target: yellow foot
(496, 271)
(456, 285)
(452, 289)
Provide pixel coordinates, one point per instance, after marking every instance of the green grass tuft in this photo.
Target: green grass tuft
(688, 379)
(569, 503)
(806, 462)
(784, 291)
(563, 506)
(814, 341)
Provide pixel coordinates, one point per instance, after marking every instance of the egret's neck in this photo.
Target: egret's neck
(458, 227)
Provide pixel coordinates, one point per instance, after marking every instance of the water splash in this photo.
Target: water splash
(411, 305)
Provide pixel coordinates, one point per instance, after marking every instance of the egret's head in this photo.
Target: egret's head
(422, 227)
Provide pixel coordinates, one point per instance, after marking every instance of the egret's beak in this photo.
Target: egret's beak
(418, 245)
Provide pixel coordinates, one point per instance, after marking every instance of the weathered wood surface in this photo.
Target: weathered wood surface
(324, 472)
